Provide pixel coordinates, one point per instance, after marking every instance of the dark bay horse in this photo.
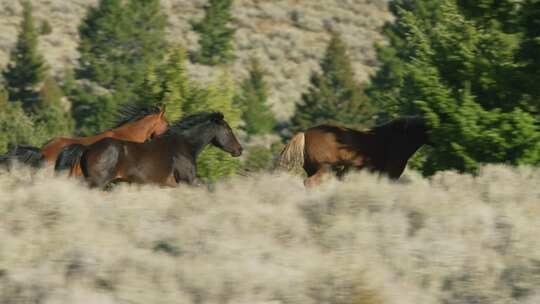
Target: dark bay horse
(385, 149)
(135, 124)
(166, 160)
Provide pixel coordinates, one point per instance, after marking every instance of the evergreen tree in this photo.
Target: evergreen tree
(333, 96)
(529, 54)
(456, 76)
(257, 115)
(27, 69)
(168, 84)
(175, 86)
(119, 41)
(215, 35)
(16, 127)
(50, 115)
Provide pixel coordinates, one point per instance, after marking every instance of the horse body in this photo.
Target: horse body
(385, 149)
(166, 160)
(152, 162)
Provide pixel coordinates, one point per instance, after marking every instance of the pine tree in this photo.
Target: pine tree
(257, 115)
(16, 127)
(27, 69)
(119, 41)
(168, 84)
(456, 75)
(215, 35)
(333, 95)
(529, 54)
(49, 113)
(175, 85)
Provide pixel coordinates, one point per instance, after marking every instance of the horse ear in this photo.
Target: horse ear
(217, 117)
(161, 110)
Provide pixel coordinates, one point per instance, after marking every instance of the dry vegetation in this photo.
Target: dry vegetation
(288, 36)
(452, 239)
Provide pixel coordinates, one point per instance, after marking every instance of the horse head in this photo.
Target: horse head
(160, 123)
(224, 137)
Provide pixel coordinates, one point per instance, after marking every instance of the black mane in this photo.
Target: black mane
(130, 113)
(401, 124)
(185, 123)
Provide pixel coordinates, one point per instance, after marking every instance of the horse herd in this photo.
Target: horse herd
(145, 148)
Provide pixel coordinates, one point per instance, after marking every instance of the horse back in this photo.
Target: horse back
(338, 145)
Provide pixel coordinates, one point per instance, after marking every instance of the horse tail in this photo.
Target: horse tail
(83, 166)
(69, 158)
(27, 155)
(292, 156)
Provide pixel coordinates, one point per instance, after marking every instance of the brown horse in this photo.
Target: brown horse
(166, 160)
(384, 149)
(135, 124)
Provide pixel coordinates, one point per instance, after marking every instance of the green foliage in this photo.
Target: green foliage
(260, 158)
(50, 93)
(27, 67)
(459, 74)
(257, 116)
(529, 54)
(49, 115)
(168, 84)
(4, 96)
(215, 35)
(16, 127)
(333, 96)
(46, 28)
(53, 122)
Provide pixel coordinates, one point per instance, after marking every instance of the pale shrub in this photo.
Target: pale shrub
(266, 239)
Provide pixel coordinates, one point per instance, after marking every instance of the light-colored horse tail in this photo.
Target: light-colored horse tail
(292, 156)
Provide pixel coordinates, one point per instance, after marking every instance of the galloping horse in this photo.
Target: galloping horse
(385, 149)
(135, 124)
(167, 159)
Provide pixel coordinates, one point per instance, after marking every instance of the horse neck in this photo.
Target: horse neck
(200, 137)
(410, 143)
(137, 131)
(87, 140)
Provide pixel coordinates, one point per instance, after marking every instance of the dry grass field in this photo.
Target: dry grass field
(287, 36)
(266, 239)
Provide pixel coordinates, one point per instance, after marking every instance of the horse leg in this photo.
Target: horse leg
(102, 168)
(187, 175)
(316, 179)
(341, 171)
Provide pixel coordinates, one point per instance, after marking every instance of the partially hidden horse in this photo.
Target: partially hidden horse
(325, 149)
(136, 124)
(168, 159)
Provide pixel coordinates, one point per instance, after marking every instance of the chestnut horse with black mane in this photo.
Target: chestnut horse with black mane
(168, 159)
(135, 124)
(385, 149)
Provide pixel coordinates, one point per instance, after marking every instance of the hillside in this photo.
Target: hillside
(288, 37)
(451, 240)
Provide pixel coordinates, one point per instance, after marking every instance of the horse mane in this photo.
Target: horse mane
(129, 113)
(188, 122)
(400, 124)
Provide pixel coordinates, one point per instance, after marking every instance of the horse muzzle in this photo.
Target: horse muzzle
(237, 152)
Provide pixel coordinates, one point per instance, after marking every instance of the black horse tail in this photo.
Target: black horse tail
(25, 154)
(69, 158)
(292, 156)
